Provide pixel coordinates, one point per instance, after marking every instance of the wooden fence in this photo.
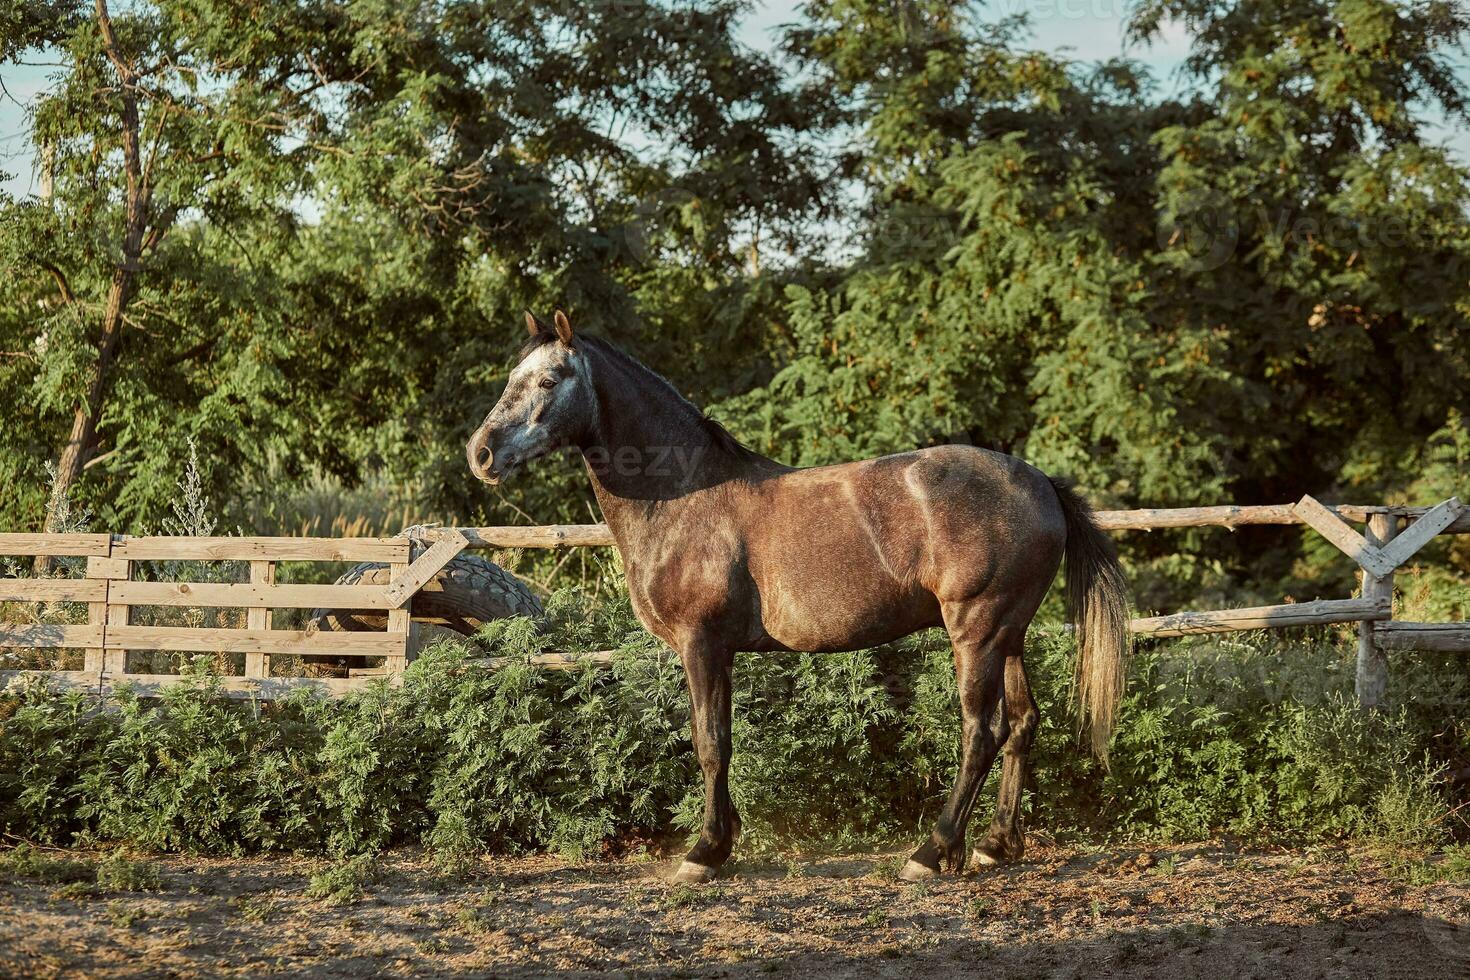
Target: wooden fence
(1392, 536)
(110, 593)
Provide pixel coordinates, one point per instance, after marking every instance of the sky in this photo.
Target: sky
(1089, 30)
(1086, 30)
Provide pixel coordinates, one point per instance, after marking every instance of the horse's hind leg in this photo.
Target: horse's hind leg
(1006, 839)
(980, 651)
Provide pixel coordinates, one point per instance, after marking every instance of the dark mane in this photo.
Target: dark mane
(724, 440)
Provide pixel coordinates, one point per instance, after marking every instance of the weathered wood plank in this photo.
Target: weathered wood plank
(243, 595)
(188, 639)
(116, 570)
(94, 660)
(400, 620)
(235, 688)
(74, 545)
(1317, 612)
(1228, 516)
(1370, 677)
(52, 590)
(1342, 537)
(261, 549)
(408, 579)
(1443, 637)
(98, 567)
(49, 636)
(551, 661)
(249, 688)
(546, 536)
(1233, 516)
(257, 663)
(85, 680)
(1148, 519)
(1407, 544)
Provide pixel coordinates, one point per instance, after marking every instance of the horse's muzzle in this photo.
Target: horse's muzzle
(482, 459)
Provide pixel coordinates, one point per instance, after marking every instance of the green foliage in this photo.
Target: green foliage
(342, 200)
(120, 873)
(117, 872)
(1256, 739)
(342, 882)
(27, 861)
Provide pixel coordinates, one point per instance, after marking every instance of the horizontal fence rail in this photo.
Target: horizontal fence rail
(1228, 516)
(248, 595)
(1319, 612)
(259, 549)
(1392, 535)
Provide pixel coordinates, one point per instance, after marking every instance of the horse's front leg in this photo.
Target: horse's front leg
(707, 668)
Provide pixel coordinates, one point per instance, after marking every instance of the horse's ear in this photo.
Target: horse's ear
(532, 327)
(563, 328)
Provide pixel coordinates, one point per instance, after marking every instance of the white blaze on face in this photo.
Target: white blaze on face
(531, 419)
(523, 392)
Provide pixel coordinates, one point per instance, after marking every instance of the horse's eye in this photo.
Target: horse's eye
(548, 382)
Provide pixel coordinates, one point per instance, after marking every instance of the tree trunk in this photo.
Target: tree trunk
(84, 423)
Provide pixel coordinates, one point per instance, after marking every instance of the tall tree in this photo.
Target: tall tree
(1307, 221)
(153, 126)
(995, 295)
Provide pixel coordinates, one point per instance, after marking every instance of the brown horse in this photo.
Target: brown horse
(726, 550)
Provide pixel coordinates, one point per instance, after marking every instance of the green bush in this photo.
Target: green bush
(1258, 738)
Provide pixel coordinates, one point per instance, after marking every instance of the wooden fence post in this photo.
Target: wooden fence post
(258, 618)
(400, 620)
(1372, 676)
(114, 661)
(96, 657)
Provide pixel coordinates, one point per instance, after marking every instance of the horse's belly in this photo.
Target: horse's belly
(822, 612)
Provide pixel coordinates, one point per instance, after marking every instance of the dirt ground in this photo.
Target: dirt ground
(1204, 910)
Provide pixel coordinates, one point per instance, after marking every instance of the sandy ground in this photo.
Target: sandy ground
(1199, 911)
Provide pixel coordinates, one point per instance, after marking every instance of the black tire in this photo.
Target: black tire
(467, 593)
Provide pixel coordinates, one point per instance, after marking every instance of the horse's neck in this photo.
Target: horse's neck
(651, 455)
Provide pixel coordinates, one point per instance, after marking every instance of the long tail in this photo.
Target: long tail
(1097, 602)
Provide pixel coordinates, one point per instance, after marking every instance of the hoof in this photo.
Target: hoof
(914, 871)
(991, 853)
(984, 859)
(690, 873)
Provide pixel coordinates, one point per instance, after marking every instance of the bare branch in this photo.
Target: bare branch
(109, 39)
(62, 286)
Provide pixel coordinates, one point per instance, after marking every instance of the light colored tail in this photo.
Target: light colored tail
(1097, 602)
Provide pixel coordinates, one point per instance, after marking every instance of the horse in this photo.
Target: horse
(726, 550)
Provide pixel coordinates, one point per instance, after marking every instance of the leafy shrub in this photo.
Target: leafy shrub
(1256, 737)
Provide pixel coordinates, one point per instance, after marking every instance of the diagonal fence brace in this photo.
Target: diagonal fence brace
(449, 543)
(1344, 538)
(1422, 531)
(1374, 560)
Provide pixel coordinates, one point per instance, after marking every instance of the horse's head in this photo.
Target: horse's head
(547, 403)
